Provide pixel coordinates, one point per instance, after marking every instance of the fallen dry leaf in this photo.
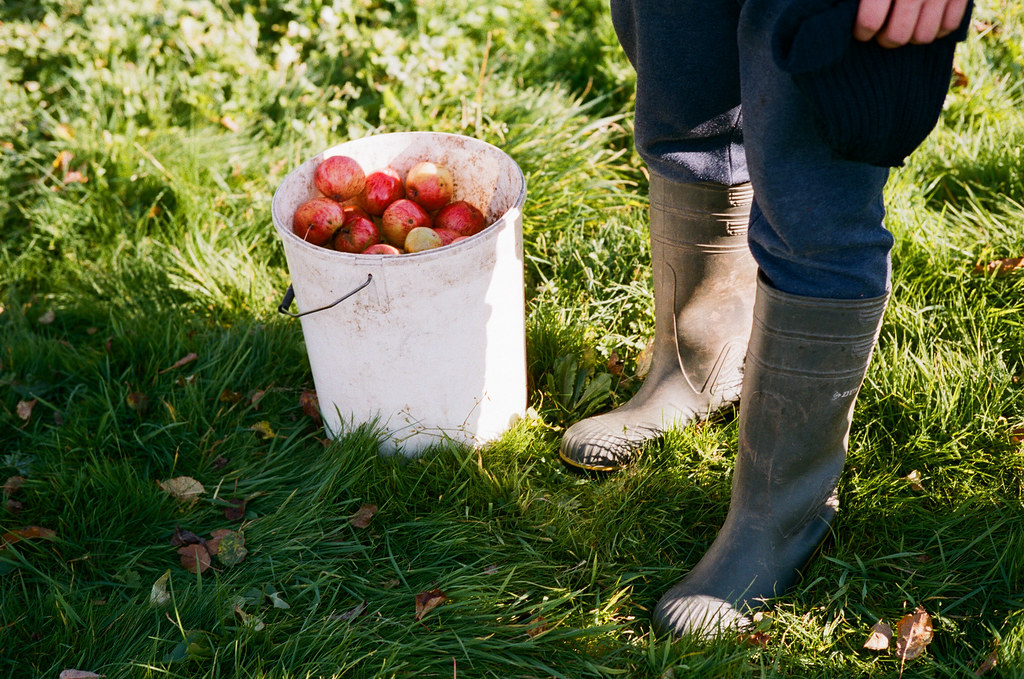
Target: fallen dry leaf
(183, 361)
(1000, 267)
(12, 485)
(914, 479)
(158, 595)
(231, 549)
(185, 537)
(79, 674)
(1017, 435)
(28, 533)
(311, 406)
(989, 663)
(24, 409)
(194, 558)
(615, 365)
(537, 627)
(13, 506)
(182, 488)
(960, 78)
(75, 177)
(350, 614)
(47, 318)
(428, 601)
(137, 401)
(63, 160)
(913, 634)
(255, 397)
(230, 123)
(881, 637)
(362, 518)
(213, 544)
(263, 431)
(758, 639)
(236, 512)
(228, 396)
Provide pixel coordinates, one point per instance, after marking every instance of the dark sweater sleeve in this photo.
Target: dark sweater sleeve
(871, 104)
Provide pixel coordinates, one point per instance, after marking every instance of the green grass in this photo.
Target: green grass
(185, 115)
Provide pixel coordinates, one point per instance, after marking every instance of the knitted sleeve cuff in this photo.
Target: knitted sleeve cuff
(871, 104)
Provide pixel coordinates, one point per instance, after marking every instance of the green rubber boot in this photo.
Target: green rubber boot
(704, 280)
(805, 364)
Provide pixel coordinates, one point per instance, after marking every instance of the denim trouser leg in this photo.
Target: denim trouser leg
(816, 225)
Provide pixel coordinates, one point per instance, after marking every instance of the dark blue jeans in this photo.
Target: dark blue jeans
(711, 106)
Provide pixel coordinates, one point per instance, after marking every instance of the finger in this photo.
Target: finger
(952, 17)
(899, 28)
(871, 16)
(929, 21)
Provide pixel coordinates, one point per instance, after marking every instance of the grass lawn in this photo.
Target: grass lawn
(140, 144)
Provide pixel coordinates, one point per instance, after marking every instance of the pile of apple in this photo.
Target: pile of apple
(380, 213)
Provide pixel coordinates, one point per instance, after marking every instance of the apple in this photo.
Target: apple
(355, 234)
(461, 217)
(382, 249)
(340, 178)
(400, 218)
(448, 236)
(422, 238)
(317, 219)
(429, 184)
(383, 188)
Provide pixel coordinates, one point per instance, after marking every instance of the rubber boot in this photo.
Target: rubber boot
(805, 363)
(704, 281)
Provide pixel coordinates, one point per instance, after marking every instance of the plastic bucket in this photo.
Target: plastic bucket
(430, 345)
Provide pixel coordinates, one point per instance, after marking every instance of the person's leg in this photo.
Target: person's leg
(817, 235)
(688, 131)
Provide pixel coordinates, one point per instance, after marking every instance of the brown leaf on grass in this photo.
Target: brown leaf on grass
(75, 177)
(350, 614)
(263, 431)
(913, 634)
(213, 544)
(194, 558)
(183, 361)
(881, 637)
(362, 518)
(758, 639)
(960, 78)
(428, 601)
(12, 485)
(180, 538)
(230, 123)
(137, 401)
(47, 318)
(914, 480)
(182, 488)
(79, 674)
(989, 663)
(615, 365)
(24, 409)
(228, 396)
(27, 533)
(255, 397)
(643, 362)
(1000, 267)
(236, 512)
(311, 406)
(538, 626)
(220, 462)
(1017, 435)
(13, 506)
(63, 160)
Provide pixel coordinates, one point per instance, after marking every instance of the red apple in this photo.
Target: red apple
(447, 235)
(429, 184)
(400, 218)
(339, 177)
(383, 188)
(461, 217)
(317, 219)
(356, 234)
(382, 249)
(422, 238)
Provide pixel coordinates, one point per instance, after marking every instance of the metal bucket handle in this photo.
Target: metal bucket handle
(289, 296)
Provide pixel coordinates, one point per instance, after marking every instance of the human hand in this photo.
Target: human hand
(892, 23)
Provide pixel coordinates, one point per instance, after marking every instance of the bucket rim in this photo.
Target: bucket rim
(510, 215)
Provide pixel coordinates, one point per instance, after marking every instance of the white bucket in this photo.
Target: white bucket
(434, 346)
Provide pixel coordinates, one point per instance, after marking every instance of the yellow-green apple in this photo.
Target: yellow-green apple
(461, 217)
(422, 238)
(383, 188)
(429, 184)
(400, 218)
(317, 219)
(339, 177)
